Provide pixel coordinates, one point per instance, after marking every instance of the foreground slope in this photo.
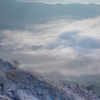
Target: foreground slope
(23, 85)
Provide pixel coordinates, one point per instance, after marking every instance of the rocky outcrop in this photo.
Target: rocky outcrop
(23, 85)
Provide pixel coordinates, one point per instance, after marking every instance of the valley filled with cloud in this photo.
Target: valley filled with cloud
(63, 46)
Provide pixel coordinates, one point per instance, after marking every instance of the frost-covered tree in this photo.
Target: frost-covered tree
(16, 63)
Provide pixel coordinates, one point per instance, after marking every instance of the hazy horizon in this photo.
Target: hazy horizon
(62, 1)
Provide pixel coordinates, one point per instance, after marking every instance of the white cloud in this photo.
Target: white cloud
(63, 1)
(58, 46)
(58, 38)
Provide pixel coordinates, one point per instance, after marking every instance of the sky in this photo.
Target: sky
(60, 45)
(63, 1)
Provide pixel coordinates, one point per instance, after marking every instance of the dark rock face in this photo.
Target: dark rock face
(23, 85)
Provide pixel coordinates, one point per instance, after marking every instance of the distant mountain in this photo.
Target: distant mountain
(17, 15)
(16, 84)
(11, 10)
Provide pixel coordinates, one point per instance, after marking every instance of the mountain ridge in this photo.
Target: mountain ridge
(16, 84)
(17, 15)
(13, 10)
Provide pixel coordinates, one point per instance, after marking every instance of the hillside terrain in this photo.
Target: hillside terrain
(16, 84)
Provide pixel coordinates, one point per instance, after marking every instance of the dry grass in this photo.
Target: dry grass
(43, 87)
(18, 75)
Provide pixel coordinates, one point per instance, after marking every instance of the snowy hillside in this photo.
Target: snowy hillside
(23, 85)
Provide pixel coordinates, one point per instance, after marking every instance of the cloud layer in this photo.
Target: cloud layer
(56, 46)
(57, 38)
(62, 1)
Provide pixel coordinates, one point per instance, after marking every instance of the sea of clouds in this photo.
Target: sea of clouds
(62, 46)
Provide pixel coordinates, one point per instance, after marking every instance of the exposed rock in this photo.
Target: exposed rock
(0, 88)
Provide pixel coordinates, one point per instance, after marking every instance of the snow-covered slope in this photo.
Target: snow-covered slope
(23, 85)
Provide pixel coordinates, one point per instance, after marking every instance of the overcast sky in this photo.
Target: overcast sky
(63, 1)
